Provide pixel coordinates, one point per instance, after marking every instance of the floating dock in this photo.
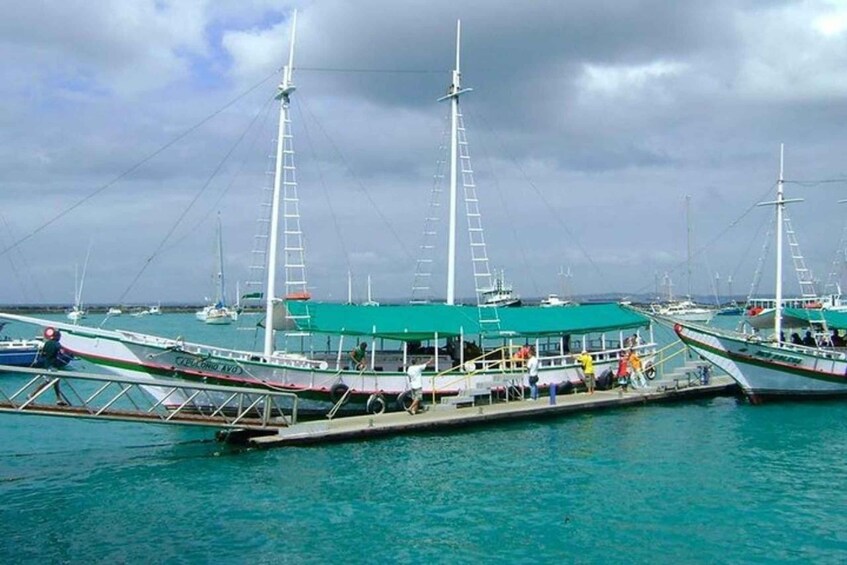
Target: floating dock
(438, 418)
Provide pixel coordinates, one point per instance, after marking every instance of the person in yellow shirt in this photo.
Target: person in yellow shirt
(587, 363)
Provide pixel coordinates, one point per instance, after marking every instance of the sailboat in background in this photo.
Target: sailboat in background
(78, 312)
(683, 309)
(218, 313)
(767, 366)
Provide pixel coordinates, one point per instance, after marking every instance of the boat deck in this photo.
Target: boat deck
(439, 417)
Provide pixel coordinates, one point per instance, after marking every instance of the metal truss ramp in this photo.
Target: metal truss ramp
(74, 394)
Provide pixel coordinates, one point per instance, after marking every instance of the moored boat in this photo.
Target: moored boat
(218, 313)
(683, 310)
(769, 366)
(472, 346)
(19, 352)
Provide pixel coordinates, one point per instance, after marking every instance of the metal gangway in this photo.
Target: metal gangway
(140, 399)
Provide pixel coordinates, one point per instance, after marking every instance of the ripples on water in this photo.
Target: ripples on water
(709, 481)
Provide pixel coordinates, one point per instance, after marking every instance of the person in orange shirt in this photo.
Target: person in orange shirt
(637, 375)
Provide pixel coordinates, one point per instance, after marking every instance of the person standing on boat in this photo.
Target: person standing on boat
(415, 375)
(532, 373)
(809, 341)
(623, 371)
(587, 363)
(357, 357)
(50, 350)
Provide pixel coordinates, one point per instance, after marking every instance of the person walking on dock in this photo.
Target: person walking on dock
(415, 375)
(587, 363)
(50, 350)
(623, 371)
(532, 373)
(635, 368)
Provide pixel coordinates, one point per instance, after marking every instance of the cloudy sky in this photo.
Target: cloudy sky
(127, 126)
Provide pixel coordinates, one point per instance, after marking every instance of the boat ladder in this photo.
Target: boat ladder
(139, 399)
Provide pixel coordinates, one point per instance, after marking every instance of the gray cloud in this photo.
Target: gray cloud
(589, 124)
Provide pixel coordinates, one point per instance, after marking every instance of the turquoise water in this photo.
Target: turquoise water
(712, 481)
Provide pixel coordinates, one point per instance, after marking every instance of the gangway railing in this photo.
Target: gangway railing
(143, 399)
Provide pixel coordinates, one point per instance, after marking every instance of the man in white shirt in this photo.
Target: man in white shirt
(415, 375)
(532, 373)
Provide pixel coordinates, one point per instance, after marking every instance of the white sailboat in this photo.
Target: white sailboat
(685, 309)
(765, 366)
(78, 312)
(218, 313)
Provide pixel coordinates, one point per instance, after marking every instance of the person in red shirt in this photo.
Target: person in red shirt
(623, 371)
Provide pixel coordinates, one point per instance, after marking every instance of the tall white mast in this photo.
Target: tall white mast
(777, 319)
(453, 94)
(780, 203)
(221, 298)
(283, 95)
(688, 240)
(454, 154)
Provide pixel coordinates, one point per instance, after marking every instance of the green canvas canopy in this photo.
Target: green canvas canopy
(418, 322)
(799, 317)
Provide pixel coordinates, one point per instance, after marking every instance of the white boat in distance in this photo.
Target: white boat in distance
(500, 293)
(765, 366)
(151, 311)
(553, 300)
(470, 346)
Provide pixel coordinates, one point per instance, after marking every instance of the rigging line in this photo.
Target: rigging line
(303, 110)
(512, 225)
(679, 266)
(366, 71)
(548, 205)
(766, 219)
(19, 277)
(267, 108)
(136, 166)
(811, 183)
(188, 208)
(362, 188)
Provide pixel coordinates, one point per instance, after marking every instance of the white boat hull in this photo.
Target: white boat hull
(764, 369)
(315, 381)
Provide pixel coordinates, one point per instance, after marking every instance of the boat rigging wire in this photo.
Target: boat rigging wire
(812, 183)
(717, 237)
(361, 187)
(304, 110)
(367, 71)
(527, 268)
(548, 205)
(137, 165)
(191, 204)
(215, 205)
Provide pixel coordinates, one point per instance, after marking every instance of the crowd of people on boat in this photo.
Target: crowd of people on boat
(835, 339)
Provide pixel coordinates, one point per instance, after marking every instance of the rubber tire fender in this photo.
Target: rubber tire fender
(337, 392)
(404, 400)
(650, 370)
(375, 404)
